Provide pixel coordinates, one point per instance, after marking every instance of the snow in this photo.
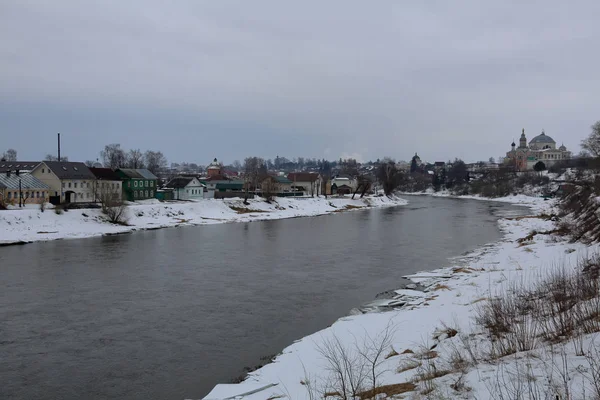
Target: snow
(450, 298)
(30, 224)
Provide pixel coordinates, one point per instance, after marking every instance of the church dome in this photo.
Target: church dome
(563, 148)
(543, 138)
(214, 165)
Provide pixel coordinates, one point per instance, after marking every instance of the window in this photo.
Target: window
(9, 194)
(16, 195)
(135, 183)
(146, 183)
(151, 193)
(37, 194)
(75, 185)
(113, 186)
(69, 184)
(43, 170)
(151, 183)
(128, 184)
(135, 194)
(146, 193)
(63, 185)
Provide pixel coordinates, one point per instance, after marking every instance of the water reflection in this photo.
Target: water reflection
(169, 313)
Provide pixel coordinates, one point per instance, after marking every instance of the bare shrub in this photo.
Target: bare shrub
(348, 371)
(112, 207)
(354, 369)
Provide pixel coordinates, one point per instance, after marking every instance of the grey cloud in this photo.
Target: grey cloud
(317, 79)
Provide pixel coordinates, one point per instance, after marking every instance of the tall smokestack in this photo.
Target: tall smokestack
(59, 147)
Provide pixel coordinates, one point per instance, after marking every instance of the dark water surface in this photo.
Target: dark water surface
(168, 314)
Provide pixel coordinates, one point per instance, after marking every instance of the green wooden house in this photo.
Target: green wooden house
(138, 184)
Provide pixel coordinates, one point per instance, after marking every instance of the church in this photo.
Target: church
(541, 148)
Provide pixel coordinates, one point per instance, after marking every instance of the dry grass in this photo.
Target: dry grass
(388, 390)
(408, 351)
(242, 210)
(479, 300)
(279, 396)
(407, 366)
(462, 270)
(351, 207)
(427, 355)
(439, 286)
(393, 353)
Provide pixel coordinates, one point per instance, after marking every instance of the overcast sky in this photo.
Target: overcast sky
(229, 79)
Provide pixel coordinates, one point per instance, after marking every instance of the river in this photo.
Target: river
(167, 314)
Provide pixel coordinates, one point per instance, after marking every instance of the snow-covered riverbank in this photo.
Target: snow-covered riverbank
(432, 346)
(30, 224)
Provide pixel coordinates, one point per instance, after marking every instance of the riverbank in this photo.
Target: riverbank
(433, 345)
(31, 225)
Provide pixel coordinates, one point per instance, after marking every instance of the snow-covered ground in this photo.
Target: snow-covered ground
(30, 224)
(433, 326)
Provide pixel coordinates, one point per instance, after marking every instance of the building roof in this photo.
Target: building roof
(18, 165)
(214, 165)
(217, 178)
(70, 170)
(140, 173)
(28, 181)
(230, 185)
(179, 182)
(543, 138)
(303, 176)
(282, 179)
(105, 174)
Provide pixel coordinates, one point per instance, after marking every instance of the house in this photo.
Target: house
(341, 190)
(341, 180)
(69, 182)
(186, 188)
(284, 185)
(228, 189)
(138, 184)
(108, 183)
(307, 182)
(17, 187)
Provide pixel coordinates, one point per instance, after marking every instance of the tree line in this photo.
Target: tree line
(113, 156)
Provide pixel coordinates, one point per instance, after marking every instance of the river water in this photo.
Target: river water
(167, 314)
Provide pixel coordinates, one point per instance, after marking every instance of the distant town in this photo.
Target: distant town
(132, 175)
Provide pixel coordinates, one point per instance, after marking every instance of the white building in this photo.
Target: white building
(186, 188)
(69, 182)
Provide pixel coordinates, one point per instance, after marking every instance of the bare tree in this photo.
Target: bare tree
(90, 163)
(389, 176)
(252, 169)
(591, 144)
(10, 155)
(363, 184)
(269, 188)
(155, 161)
(50, 157)
(135, 159)
(237, 165)
(113, 156)
(111, 205)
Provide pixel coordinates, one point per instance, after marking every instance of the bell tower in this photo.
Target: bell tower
(523, 140)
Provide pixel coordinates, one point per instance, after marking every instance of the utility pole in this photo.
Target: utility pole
(20, 193)
(59, 147)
